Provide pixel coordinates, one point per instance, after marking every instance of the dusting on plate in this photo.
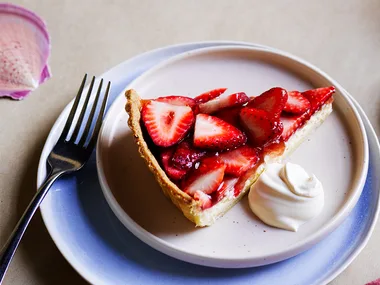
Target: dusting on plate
(286, 196)
(24, 51)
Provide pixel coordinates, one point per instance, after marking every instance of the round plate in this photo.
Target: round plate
(239, 239)
(103, 251)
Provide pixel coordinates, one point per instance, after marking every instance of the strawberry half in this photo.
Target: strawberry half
(230, 115)
(223, 101)
(292, 123)
(166, 124)
(239, 160)
(173, 172)
(215, 134)
(261, 128)
(178, 100)
(240, 184)
(206, 178)
(226, 187)
(272, 101)
(186, 155)
(204, 199)
(319, 96)
(209, 95)
(296, 103)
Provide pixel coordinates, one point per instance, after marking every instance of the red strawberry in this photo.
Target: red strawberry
(296, 103)
(177, 100)
(203, 198)
(230, 115)
(186, 155)
(207, 96)
(225, 188)
(260, 126)
(166, 124)
(173, 172)
(318, 97)
(215, 134)
(206, 178)
(239, 160)
(240, 184)
(292, 123)
(272, 101)
(223, 101)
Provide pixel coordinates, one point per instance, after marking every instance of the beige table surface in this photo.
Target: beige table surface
(342, 37)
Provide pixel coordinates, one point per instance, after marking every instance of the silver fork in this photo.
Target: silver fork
(69, 154)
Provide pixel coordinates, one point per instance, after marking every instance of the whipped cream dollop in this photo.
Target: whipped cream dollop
(286, 196)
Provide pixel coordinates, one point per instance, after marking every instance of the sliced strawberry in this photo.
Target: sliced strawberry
(240, 184)
(226, 187)
(319, 96)
(292, 123)
(178, 100)
(223, 101)
(215, 134)
(230, 115)
(203, 198)
(239, 160)
(206, 178)
(272, 101)
(173, 172)
(166, 124)
(261, 128)
(209, 95)
(296, 103)
(186, 155)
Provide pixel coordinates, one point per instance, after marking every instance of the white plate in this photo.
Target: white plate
(337, 153)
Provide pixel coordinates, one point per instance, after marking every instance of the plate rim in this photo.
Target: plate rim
(225, 261)
(83, 271)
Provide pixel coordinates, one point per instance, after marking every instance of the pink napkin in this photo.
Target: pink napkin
(375, 282)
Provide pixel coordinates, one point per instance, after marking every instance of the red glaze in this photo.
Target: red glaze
(209, 95)
(215, 134)
(206, 178)
(272, 101)
(296, 104)
(292, 123)
(230, 115)
(318, 97)
(239, 160)
(260, 127)
(186, 155)
(222, 102)
(173, 172)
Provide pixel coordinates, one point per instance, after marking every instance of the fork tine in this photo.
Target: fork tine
(73, 110)
(91, 116)
(100, 118)
(81, 116)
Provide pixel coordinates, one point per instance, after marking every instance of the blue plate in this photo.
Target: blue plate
(103, 251)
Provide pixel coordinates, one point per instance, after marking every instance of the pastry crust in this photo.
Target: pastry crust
(190, 207)
(182, 200)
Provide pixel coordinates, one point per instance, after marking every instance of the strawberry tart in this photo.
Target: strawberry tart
(206, 152)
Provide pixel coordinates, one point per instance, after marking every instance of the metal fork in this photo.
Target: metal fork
(69, 154)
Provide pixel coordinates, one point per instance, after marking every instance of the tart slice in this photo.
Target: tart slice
(206, 152)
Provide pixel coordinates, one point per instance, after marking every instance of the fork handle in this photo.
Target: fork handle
(10, 247)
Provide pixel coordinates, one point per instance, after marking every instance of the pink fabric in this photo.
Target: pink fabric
(375, 282)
